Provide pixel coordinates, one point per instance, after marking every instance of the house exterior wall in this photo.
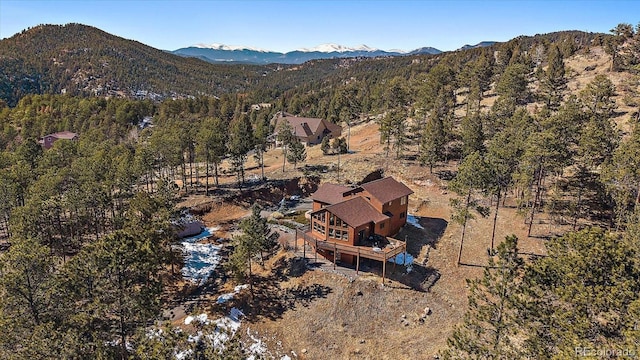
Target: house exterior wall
(48, 141)
(398, 208)
(328, 227)
(316, 138)
(318, 205)
(373, 201)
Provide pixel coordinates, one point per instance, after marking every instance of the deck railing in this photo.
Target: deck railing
(394, 248)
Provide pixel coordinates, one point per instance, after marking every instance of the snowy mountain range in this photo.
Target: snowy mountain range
(243, 54)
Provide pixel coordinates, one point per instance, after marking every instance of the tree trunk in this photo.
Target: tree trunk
(495, 219)
(250, 279)
(535, 199)
(206, 170)
(284, 157)
(575, 212)
(464, 226)
(215, 172)
(184, 174)
(262, 163)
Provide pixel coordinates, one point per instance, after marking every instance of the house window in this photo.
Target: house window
(402, 215)
(322, 230)
(332, 219)
(316, 227)
(403, 200)
(344, 225)
(322, 217)
(345, 235)
(332, 233)
(381, 226)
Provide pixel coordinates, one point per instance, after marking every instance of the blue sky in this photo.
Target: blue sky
(289, 25)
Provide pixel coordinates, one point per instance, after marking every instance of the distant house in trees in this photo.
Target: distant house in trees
(309, 131)
(352, 222)
(48, 140)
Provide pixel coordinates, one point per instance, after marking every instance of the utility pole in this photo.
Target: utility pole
(338, 165)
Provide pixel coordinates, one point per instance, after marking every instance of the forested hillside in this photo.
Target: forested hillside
(82, 60)
(522, 125)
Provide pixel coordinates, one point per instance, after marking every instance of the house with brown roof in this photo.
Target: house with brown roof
(358, 219)
(309, 131)
(48, 140)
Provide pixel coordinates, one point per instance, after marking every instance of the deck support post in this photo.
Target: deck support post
(335, 255)
(384, 267)
(358, 261)
(316, 250)
(304, 246)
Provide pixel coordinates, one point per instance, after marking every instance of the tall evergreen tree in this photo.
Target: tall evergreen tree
(579, 296)
(261, 133)
(285, 137)
(212, 145)
(256, 238)
(554, 82)
(297, 152)
(491, 320)
(472, 135)
(472, 178)
(241, 141)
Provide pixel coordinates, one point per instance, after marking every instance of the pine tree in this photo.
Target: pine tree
(241, 141)
(472, 177)
(621, 175)
(472, 135)
(256, 238)
(261, 133)
(393, 125)
(325, 146)
(212, 145)
(580, 295)
(512, 86)
(432, 143)
(491, 320)
(285, 137)
(297, 153)
(554, 81)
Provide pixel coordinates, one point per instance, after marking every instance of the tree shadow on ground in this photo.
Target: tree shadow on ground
(417, 276)
(429, 232)
(271, 301)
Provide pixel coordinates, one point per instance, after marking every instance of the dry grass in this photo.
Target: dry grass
(322, 315)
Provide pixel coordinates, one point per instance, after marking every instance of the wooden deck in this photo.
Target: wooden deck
(394, 248)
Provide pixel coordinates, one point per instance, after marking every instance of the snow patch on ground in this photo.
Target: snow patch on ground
(228, 296)
(257, 349)
(414, 222)
(200, 259)
(225, 328)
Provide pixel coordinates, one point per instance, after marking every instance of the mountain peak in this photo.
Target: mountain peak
(217, 46)
(329, 48)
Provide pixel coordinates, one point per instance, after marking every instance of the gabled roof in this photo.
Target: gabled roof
(387, 189)
(305, 127)
(330, 193)
(356, 212)
(68, 135)
(331, 126)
